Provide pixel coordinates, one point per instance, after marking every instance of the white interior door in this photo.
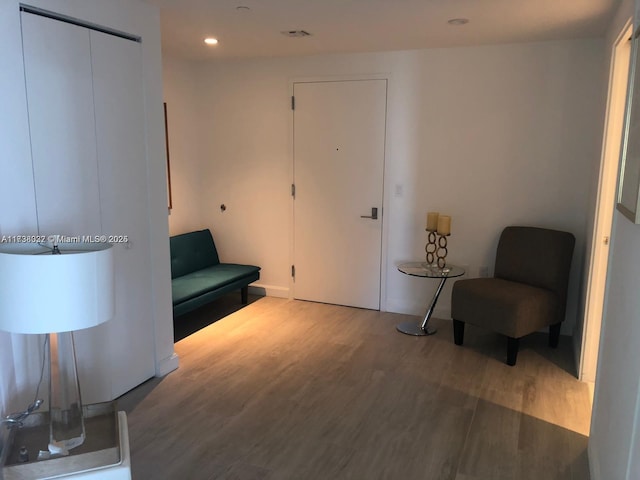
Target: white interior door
(86, 110)
(339, 141)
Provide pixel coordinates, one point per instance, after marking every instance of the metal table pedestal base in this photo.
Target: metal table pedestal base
(413, 328)
(421, 329)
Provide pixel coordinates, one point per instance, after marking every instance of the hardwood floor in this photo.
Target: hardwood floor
(288, 390)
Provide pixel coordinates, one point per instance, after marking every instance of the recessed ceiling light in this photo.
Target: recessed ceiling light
(211, 41)
(458, 21)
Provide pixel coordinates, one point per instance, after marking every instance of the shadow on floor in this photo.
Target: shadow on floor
(494, 345)
(192, 322)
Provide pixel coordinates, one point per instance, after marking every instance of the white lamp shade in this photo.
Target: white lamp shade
(45, 293)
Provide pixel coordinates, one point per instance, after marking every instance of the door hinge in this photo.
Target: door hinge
(606, 240)
(293, 271)
(293, 190)
(293, 102)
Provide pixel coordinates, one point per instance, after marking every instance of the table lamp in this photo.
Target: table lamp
(56, 289)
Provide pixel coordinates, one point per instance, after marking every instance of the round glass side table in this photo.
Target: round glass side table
(422, 269)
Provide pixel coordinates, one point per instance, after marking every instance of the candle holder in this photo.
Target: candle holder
(431, 248)
(441, 252)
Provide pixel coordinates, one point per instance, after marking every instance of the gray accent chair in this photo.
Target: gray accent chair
(528, 290)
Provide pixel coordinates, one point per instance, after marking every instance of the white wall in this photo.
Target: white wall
(17, 201)
(614, 444)
(184, 145)
(492, 135)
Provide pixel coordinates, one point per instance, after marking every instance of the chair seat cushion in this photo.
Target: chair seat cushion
(511, 308)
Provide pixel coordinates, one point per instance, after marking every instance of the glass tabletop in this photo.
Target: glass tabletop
(422, 269)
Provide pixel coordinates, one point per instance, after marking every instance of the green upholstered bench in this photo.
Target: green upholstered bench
(198, 277)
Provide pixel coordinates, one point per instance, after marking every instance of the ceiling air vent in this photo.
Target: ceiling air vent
(296, 33)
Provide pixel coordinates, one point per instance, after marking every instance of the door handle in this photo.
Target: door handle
(374, 214)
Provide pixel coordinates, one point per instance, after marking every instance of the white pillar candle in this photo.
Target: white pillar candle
(432, 221)
(444, 225)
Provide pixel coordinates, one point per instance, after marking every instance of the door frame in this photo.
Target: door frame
(385, 180)
(605, 206)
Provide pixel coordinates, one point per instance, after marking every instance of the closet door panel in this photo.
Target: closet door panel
(120, 126)
(58, 77)
(63, 137)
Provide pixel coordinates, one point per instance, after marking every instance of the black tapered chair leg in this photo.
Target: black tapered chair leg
(512, 350)
(458, 332)
(554, 334)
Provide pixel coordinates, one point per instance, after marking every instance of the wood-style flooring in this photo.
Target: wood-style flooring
(288, 390)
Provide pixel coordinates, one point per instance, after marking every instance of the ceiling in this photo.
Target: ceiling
(368, 25)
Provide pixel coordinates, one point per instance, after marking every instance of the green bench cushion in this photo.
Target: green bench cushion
(212, 278)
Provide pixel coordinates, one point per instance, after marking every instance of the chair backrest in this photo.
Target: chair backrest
(536, 256)
(192, 251)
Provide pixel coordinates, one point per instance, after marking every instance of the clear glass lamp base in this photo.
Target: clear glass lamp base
(67, 428)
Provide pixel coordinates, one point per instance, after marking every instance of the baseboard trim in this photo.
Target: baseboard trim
(408, 307)
(167, 365)
(405, 307)
(268, 290)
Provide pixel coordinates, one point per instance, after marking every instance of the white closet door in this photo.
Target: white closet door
(91, 178)
(120, 123)
(63, 137)
(59, 83)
